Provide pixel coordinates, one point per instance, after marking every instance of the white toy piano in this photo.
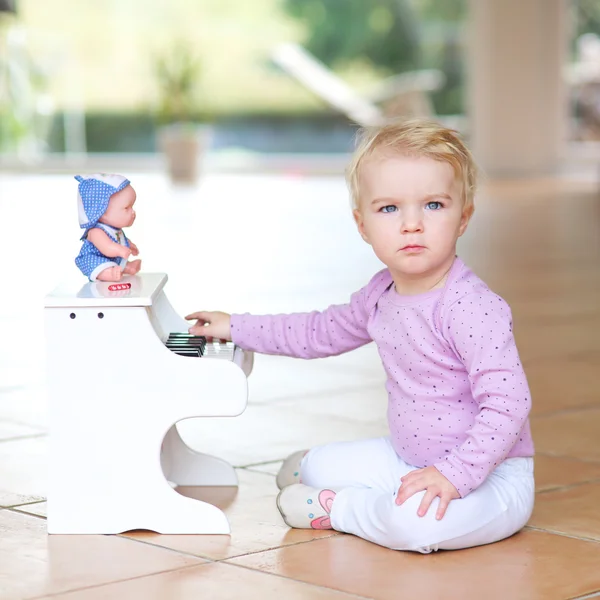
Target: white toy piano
(122, 371)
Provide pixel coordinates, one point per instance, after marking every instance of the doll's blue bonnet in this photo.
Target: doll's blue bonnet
(93, 195)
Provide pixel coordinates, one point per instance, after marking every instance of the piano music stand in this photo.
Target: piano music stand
(115, 393)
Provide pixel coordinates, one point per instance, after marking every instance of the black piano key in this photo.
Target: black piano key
(187, 338)
(195, 352)
(188, 342)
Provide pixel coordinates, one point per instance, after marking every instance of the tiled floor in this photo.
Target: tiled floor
(284, 243)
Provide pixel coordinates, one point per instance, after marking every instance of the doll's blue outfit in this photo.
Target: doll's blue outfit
(91, 261)
(94, 192)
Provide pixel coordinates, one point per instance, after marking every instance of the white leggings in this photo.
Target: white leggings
(366, 475)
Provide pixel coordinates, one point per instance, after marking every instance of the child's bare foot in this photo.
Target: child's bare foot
(110, 274)
(133, 267)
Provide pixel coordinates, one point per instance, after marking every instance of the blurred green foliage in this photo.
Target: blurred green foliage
(382, 32)
(587, 17)
(178, 74)
(391, 36)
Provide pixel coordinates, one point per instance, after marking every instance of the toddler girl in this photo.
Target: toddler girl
(456, 469)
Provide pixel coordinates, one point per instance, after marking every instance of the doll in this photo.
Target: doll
(105, 203)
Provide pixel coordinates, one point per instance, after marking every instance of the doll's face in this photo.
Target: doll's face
(120, 211)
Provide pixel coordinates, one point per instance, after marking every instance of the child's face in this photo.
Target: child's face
(411, 213)
(120, 211)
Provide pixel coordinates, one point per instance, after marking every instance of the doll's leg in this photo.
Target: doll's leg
(110, 274)
(133, 267)
(106, 270)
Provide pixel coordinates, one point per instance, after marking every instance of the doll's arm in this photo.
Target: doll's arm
(105, 245)
(134, 248)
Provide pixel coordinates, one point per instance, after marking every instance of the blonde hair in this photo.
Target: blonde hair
(415, 137)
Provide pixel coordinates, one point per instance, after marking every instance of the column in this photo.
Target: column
(517, 100)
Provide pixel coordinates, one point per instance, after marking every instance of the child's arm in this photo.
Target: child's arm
(105, 245)
(479, 327)
(338, 329)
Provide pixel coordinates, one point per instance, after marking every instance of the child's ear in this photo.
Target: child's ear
(360, 223)
(465, 218)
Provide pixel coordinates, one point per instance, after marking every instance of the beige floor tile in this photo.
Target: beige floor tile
(573, 434)
(39, 509)
(213, 582)
(34, 564)
(364, 404)
(26, 405)
(274, 377)
(23, 467)
(574, 511)
(529, 566)
(559, 383)
(255, 522)
(269, 432)
(538, 341)
(552, 472)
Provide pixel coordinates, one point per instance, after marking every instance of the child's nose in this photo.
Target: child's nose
(412, 222)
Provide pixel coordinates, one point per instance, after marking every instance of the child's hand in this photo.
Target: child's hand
(211, 325)
(434, 482)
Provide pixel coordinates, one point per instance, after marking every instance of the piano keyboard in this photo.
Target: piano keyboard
(186, 344)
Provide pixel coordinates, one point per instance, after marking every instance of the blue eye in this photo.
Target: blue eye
(388, 209)
(434, 205)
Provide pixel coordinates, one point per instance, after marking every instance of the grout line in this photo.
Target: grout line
(266, 573)
(562, 534)
(23, 503)
(325, 537)
(216, 560)
(173, 550)
(566, 411)
(18, 438)
(259, 464)
(251, 470)
(22, 512)
(592, 595)
(564, 488)
(101, 585)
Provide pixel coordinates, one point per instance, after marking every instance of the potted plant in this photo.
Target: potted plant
(182, 131)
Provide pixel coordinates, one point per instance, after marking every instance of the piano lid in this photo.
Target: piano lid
(144, 289)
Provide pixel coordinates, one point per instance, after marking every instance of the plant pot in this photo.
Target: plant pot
(183, 145)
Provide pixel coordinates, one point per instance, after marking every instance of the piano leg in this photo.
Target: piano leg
(184, 466)
(184, 515)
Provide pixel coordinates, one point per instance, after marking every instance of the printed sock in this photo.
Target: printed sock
(290, 469)
(305, 507)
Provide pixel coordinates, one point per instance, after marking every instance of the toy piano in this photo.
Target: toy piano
(121, 372)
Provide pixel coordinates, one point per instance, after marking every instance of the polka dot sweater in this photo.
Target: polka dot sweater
(458, 395)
